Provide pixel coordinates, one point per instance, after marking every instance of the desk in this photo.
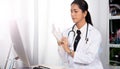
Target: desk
(49, 66)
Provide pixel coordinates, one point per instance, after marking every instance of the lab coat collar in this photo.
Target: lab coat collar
(82, 29)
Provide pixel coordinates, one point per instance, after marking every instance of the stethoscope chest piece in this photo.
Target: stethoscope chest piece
(86, 40)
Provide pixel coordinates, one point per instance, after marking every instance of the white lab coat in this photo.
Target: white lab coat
(86, 55)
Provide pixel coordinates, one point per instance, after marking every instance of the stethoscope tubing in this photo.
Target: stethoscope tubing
(74, 32)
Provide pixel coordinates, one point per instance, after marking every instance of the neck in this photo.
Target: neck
(80, 24)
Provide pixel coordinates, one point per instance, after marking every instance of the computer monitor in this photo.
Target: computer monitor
(18, 44)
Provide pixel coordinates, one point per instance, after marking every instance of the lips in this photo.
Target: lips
(73, 18)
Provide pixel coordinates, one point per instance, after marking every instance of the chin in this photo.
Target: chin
(74, 21)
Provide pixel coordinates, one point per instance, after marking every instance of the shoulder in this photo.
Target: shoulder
(93, 32)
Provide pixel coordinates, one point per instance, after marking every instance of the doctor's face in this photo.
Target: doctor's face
(77, 14)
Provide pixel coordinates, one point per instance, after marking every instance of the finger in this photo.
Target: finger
(62, 42)
(59, 43)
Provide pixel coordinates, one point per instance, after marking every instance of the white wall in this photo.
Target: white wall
(103, 27)
(5, 43)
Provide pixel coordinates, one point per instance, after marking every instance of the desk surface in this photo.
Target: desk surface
(51, 67)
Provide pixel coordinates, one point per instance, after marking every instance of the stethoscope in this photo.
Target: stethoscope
(86, 38)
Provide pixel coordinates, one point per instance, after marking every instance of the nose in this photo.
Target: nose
(72, 14)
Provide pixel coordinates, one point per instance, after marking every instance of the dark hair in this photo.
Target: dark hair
(82, 4)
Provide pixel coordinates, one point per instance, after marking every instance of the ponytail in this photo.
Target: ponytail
(88, 18)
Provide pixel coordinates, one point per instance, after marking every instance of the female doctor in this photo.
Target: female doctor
(80, 44)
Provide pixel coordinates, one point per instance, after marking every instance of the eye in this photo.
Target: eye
(71, 11)
(75, 11)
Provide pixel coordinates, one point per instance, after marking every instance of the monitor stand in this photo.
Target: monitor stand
(12, 60)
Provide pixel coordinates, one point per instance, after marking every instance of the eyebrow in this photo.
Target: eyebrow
(74, 9)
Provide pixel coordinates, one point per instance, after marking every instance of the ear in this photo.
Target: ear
(85, 13)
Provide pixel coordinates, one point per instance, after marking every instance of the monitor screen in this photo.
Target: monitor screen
(18, 44)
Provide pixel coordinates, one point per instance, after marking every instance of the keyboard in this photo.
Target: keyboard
(41, 67)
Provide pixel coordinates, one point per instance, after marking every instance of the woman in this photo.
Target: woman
(81, 51)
